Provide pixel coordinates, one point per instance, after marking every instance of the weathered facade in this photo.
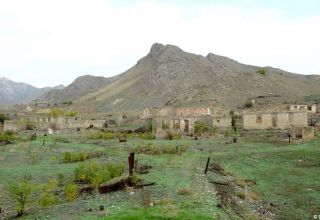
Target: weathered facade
(308, 108)
(55, 123)
(280, 120)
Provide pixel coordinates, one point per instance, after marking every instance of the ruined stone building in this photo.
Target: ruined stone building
(307, 108)
(275, 120)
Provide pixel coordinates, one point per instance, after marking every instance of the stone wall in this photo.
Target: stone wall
(281, 120)
(221, 121)
(194, 112)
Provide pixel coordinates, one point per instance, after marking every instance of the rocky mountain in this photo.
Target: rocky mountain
(168, 75)
(81, 86)
(19, 93)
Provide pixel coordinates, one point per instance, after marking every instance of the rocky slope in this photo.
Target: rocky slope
(81, 86)
(19, 93)
(170, 76)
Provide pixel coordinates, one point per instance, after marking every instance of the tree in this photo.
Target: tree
(3, 117)
(55, 112)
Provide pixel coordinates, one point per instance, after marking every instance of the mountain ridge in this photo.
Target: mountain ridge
(167, 75)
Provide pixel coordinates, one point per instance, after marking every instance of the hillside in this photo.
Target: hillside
(169, 76)
(81, 86)
(19, 93)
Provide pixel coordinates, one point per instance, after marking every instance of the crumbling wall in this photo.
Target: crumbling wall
(281, 120)
(308, 134)
(221, 121)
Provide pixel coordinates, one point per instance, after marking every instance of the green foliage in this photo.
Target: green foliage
(262, 72)
(28, 124)
(184, 191)
(201, 127)
(248, 104)
(34, 158)
(147, 136)
(71, 114)
(7, 136)
(3, 118)
(60, 139)
(71, 192)
(156, 150)
(164, 125)
(60, 179)
(95, 172)
(47, 193)
(94, 135)
(108, 135)
(21, 194)
(233, 121)
(71, 157)
(55, 112)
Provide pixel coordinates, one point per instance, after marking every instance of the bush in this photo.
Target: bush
(71, 192)
(7, 136)
(60, 139)
(47, 195)
(21, 194)
(248, 104)
(3, 118)
(60, 179)
(155, 150)
(108, 135)
(28, 124)
(169, 135)
(95, 135)
(96, 172)
(262, 72)
(147, 136)
(241, 195)
(184, 191)
(70, 157)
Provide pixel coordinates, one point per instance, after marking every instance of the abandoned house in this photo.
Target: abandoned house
(308, 108)
(275, 120)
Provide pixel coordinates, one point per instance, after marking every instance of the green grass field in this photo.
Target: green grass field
(287, 178)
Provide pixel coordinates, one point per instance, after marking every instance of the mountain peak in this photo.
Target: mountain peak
(158, 48)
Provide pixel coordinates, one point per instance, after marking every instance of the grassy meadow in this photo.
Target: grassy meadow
(286, 177)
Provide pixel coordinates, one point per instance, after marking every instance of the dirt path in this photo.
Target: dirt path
(237, 196)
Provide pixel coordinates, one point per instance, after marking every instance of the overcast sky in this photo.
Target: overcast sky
(46, 43)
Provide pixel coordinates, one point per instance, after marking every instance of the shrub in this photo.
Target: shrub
(71, 114)
(108, 135)
(3, 118)
(240, 182)
(34, 158)
(71, 192)
(95, 135)
(155, 150)
(147, 136)
(69, 157)
(262, 72)
(60, 179)
(253, 196)
(169, 135)
(7, 136)
(248, 104)
(60, 139)
(241, 195)
(28, 124)
(47, 195)
(21, 194)
(55, 112)
(184, 191)
(96, 172)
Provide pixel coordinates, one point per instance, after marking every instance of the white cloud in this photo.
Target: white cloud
(102, 38)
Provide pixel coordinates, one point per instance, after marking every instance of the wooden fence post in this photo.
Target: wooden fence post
(131, 163)
(205, 172)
